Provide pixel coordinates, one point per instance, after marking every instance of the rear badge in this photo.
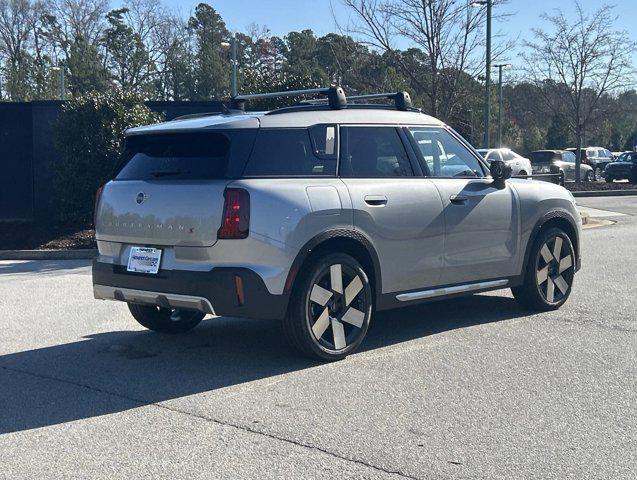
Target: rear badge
(141, 197)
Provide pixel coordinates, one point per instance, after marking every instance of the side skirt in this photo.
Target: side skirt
(393, 300)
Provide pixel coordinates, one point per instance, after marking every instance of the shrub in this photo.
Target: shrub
(89, 138)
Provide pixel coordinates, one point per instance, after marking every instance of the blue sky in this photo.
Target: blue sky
(282, 16)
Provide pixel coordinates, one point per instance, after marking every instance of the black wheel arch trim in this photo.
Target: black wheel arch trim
(316, 241)
(547, 217)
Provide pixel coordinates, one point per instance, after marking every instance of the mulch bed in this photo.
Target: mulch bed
(598, 186)
(28, 236)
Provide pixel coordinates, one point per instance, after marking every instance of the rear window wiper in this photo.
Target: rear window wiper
(167, 173)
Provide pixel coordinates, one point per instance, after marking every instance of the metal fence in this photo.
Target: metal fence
(27, 154)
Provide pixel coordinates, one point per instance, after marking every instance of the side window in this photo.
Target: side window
(293, 152)
(444, 155)
(569, 157)
(373, 152)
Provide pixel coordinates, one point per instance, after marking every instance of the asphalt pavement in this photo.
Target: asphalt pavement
(470, 388)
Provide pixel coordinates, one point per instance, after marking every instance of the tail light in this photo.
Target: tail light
(98, 195)
(235, 222)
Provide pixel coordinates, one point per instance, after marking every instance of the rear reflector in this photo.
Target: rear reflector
(235, 222)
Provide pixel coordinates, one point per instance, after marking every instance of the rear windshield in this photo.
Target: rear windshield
(178, 156)
(541, 157)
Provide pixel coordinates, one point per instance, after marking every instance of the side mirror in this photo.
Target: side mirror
(500, 171)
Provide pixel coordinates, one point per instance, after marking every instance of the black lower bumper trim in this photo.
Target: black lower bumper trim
(218, 285)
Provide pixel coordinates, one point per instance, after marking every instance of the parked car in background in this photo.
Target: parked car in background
(519, 165)
(616, 155)
(559, 161)
(624, 168)
(597, 158)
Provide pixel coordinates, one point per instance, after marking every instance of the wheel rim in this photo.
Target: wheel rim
(598, 173)
(338, 306)
(555, 270)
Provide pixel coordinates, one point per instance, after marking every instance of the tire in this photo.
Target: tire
(522, 173)
(550, 272)
(597, 174)
(589, 177)
(330, 308)
(165, 320)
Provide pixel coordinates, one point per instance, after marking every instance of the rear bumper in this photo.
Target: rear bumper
(216, 291)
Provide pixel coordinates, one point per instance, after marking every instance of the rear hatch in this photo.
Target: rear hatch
(541, 161)
(168, 188)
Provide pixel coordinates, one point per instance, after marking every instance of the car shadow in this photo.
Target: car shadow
(44, 266)
(120, 370)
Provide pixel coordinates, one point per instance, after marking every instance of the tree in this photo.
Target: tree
(128, 58)
(16, 21)
(558, 133)
(212, 67)
(89, 137)
(86, 70)
(449, 34)
(576, 63)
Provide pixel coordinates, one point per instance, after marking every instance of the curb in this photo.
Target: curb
(79, 254)
(605, 193)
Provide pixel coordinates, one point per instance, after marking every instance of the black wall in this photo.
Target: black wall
(27, 154)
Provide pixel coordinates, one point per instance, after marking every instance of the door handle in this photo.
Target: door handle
(376, 200)
(458, 199)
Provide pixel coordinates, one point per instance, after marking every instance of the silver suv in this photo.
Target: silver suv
(320, 214)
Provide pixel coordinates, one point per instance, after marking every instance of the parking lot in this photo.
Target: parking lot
(469, 388)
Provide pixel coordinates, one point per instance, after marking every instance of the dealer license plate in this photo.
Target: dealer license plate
(144, 260)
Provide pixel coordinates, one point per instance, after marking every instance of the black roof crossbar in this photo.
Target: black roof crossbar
(402, 100)
(335, 97)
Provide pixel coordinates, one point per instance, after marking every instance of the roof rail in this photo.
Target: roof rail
(402, 100)
(196, 115)
(335, 97)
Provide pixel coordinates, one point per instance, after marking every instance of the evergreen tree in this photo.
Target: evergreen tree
(212, 67)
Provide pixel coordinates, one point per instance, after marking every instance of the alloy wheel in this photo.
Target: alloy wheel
(338, 307)
(555, 269)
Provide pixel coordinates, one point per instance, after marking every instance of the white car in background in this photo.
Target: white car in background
(519, 165)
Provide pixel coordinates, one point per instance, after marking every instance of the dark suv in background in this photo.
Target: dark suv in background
(559, 161)
(624, 168)
(597, 158)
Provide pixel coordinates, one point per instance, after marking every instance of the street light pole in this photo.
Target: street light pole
(487, 96)
(233, 52)
(487, 75)
(60, 68)
(234, 65)
(62, 85)
(500, 67)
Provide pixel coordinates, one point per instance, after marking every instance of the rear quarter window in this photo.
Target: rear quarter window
(290, 152)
